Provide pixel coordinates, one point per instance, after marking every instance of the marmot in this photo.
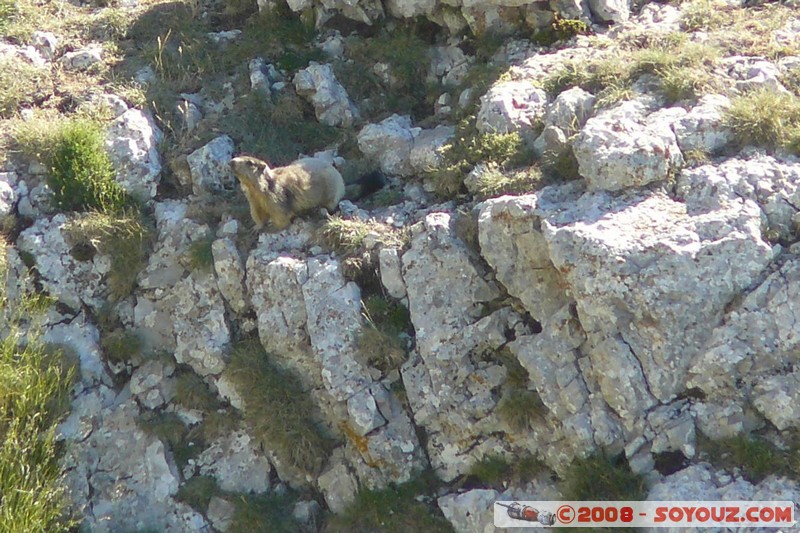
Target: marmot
(278, 194)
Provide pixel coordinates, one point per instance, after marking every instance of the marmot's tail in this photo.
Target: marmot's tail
(367, 184)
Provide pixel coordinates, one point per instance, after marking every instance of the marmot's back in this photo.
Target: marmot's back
(310, 183)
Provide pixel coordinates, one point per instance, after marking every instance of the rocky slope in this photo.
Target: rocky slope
(641, 309)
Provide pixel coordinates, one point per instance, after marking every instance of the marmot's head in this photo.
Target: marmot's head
(248, 169)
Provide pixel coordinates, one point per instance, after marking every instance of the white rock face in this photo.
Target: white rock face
(622, 148)
(132, 142)
(151, 383)
(425, 154)
(7, 198)
(626, 262)
(703, 128)
(234, 461)
(210, 168)
(65, 278)
(701, 482)
(391, 275)
(390, 143)
(180, 313)
(570, 110)
(471, 511)
(338, 486)
(511, 106)
(230, 273)
(610, 10)
(767, 181)
(751, 347)
(319, 85)
(309, 318)
(119, 474)
(410, 8)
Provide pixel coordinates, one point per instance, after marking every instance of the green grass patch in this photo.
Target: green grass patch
(277, 410)
(269, 512)
(496, 471)
(200, 255)
(406, 55)
(21, 84)
(81, 174)
(395, 508)
(34, 395)
(169, 428)
(755, 456)
(192, 392)
(766, 118)
(125, 238)
(604, 479)
(197, 492)
(493, 182)
(521, 409)
(561, 29)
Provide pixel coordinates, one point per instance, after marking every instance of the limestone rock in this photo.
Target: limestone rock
(776, 397)
(570, 110)
(425, 154)
(65, 278)
(621, 148)
(230, 273)
(703, 128)
(390, 143)
(610, 10)
(753, 344)
(471, 511)
(210, 168)
(627, 262)
(46, 43)
(769, 182)
(118, 476)
(338, 486)
(150, 383)
(511, 106)
(234, 461)
(319, 85)
(132, 141)
(391, 275)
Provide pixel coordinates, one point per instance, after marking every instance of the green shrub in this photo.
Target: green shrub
(277, 409)
(192, 392)
(561, 29)
(395, 508)
(603, 478)
(122, 347)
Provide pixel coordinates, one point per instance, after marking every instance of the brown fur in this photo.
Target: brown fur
(277, 195)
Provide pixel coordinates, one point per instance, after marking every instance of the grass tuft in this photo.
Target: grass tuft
(81, 174)
(604, 479)
(521, 409)
(124, 238)
(496, 471)
(21, 83)
(395, 508)
(122, 347)
(266, 512)
(764, 117)
(381, 342)
(200, 255)
(277, 409)
(197, 492)
(756, 457)
(347, 236)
